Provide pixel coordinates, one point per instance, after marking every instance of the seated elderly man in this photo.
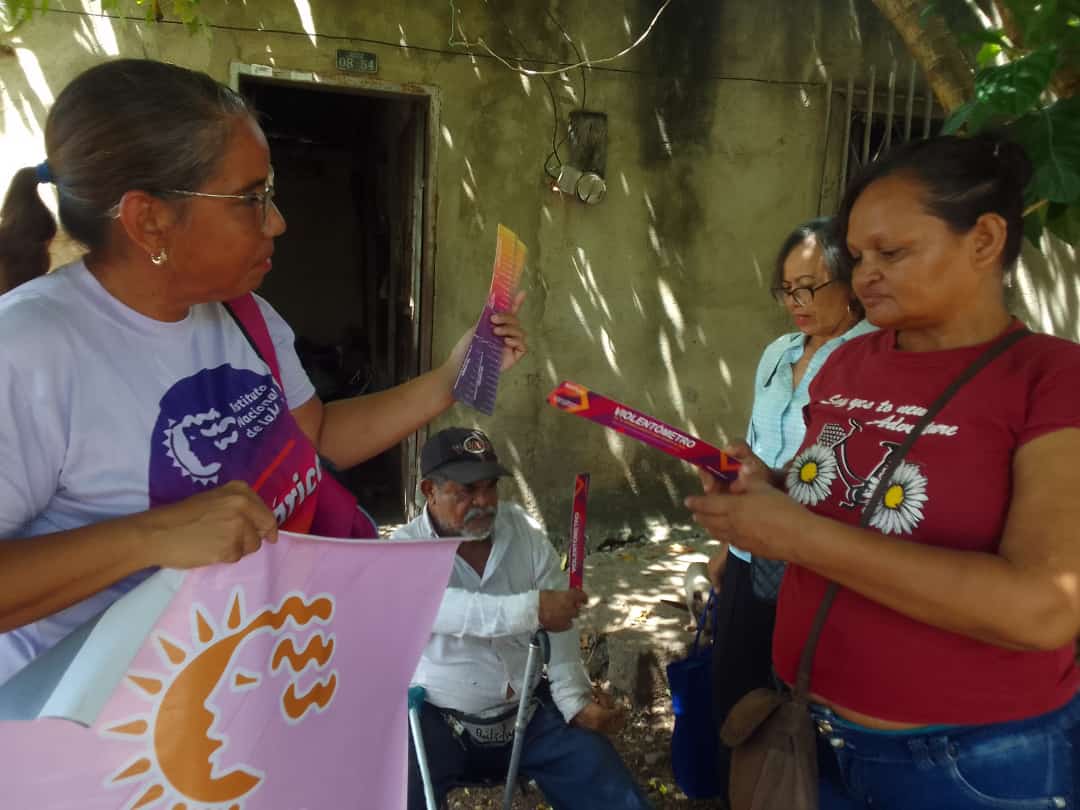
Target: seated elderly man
(505, 584)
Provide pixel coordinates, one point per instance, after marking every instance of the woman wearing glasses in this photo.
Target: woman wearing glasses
(812, 282)
(140, 425)
(944, 675)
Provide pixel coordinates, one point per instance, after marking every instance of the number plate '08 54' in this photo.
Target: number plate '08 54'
(357, 62)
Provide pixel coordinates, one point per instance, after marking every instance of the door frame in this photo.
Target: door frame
(423, 264)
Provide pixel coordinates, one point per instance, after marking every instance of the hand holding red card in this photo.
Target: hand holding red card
(576, 556)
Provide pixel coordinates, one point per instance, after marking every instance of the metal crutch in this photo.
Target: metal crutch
(416, 701)
(539, 647)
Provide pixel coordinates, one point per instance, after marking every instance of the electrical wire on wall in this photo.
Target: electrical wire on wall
(464, 43)
(582, 63)
(555, 109)
(555, 142)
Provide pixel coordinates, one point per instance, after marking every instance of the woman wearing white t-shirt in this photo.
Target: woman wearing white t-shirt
(140, 427)
(813, 284)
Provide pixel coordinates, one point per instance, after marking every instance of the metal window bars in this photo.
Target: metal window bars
(868, 131)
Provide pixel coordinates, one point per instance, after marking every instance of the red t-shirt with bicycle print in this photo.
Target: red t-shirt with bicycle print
(952, 490)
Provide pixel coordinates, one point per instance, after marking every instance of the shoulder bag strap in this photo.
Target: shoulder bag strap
(806, 661)
(249, 318)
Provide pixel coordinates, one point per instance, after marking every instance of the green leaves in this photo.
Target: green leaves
(14, 13)
(1014, 88)
(1051, 137)
(1013, 97)
(1064, 222)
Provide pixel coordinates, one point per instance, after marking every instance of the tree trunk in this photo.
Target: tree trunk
(934, 49)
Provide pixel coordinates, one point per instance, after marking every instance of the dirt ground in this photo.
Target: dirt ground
(645, 747)
(636, 585)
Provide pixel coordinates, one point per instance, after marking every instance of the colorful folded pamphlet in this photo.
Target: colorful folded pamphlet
(577, 399)
(478, 379)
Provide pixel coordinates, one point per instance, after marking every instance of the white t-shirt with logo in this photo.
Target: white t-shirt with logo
(106, 412)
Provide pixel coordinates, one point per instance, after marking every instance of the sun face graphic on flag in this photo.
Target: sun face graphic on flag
(186, 761)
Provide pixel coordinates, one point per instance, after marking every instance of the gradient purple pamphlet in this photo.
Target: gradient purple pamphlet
(478, 380)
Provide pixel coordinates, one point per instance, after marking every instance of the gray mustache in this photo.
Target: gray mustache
(477, 512)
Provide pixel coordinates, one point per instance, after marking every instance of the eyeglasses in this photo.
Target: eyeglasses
(802, 296)
(264, 199)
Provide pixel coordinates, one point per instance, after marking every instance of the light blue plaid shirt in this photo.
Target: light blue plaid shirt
(776, 427)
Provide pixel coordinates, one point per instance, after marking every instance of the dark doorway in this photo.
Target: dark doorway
(349, 169)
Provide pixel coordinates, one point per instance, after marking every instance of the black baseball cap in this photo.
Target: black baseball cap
(464, 455)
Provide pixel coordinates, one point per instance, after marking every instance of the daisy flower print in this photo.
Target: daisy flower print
(811, 475)
(901, 509)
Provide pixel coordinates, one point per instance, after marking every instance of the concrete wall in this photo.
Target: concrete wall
(657, 297)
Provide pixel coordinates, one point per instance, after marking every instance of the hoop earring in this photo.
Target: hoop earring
(160, 258)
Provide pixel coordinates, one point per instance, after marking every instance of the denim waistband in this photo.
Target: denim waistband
(901, 744)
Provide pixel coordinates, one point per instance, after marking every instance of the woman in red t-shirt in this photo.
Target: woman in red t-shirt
(944, 676)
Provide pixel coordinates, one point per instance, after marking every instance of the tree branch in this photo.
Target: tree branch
(935, 50)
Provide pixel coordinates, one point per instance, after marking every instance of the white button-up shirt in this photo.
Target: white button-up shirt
(475, 660)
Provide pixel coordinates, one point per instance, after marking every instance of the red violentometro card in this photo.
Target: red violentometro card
(577, 399)
(576, 556)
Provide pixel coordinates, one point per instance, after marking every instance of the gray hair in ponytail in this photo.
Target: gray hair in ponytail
(122, 125)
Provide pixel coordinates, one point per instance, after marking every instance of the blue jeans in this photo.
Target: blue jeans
(575, 769)
(1021, 765)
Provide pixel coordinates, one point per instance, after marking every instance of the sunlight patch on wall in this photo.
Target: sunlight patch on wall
(34, 76)
(307, 22)
(674, 312)
(23, 142)
(654, 240)
(758, 272)
(616, 446)
(649, 205)
(673, 380)
(608, 345)
(527, 498)
(96, 36)
(446, 136)
(661, 128)
(581, 318)
(589, 281)
(725, 371)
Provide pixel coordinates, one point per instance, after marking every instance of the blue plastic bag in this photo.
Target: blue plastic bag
(695, 740)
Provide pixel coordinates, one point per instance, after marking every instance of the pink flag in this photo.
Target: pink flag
(276, 683)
